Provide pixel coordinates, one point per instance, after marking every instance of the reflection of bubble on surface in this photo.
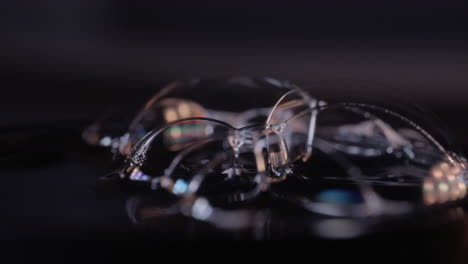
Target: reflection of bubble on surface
(105, 141)
(338, 228)
(201, 209)
(180, 186)
(138, 175)
(338, 196)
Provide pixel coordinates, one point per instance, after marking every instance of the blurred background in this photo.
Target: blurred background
(70, 59)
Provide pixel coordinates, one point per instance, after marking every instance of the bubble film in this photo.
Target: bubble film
(217, 147)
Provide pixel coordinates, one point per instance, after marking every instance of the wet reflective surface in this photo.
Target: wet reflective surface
(58, 199)
(50, 194)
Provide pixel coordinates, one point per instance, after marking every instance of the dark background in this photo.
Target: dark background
(68, 59)
(62, 62)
